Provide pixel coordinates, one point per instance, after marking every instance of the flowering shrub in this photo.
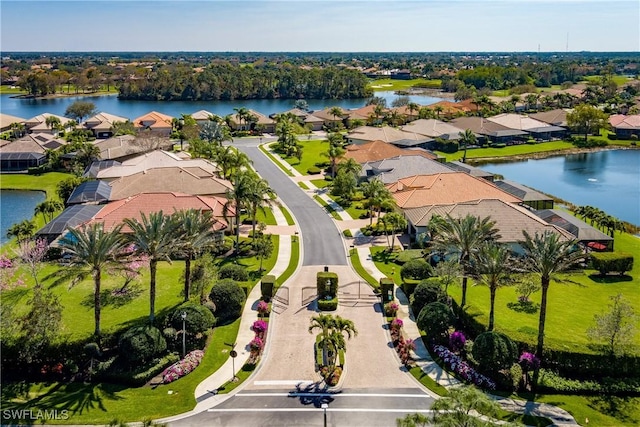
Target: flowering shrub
(457, 341)
(262, 308)
(396, 324)
(462, 368)
(391, 308)
(529, 361)
(405, 347)
(260, 328)
(256, 345)
(183, 367)
(9, 275)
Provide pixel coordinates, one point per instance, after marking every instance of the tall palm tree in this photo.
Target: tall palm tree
(463, 236)
(154, 236)
(350, 166)
(48, 208)
(438, 109)
(258, 198)
(546, 255)
(377, 195)
(324, 323)
(238, 199)
(52, 122)
(412, 107)
(93, 248)
(493, 268)
(230, 161)
(393, 221)
(22, 230)
(334, 153)
(195, 233)
(467, 138)
(242, 114)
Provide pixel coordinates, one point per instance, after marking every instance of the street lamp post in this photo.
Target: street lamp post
(324, 407)
(184, 333)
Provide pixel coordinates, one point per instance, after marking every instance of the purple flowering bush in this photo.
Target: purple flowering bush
(396, 324)
(457, 341)
(183, 367)
(262, 308)
(529, 361)
(462, 368)
(260, 328)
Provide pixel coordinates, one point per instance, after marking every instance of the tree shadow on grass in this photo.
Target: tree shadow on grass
(74, 398)
(113, 297)
(528, 307)
(619, 407)
(610, 278)
(384, 256)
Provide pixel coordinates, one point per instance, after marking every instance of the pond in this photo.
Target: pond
(15, 206)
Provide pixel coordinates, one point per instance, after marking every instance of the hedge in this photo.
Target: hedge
(321, 284)
(606, 262)
(229, 298)
(233, 271)
(199, 318)
(328, 304)
(266, 286)
(112, 371)
(550, 382)
(141, 343)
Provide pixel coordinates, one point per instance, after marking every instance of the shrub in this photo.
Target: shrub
(515, 372)
(435, 319)
(426, 292)
(233, 271)
(141, 344)
(262, 308)
(606, 262)
(328, 178)
(321, 283)
(528, 361)
(457, 340)
(391, 308)
(347, 233)
(409, 288)
(260, 328)
(266, 287)
(199, 318)
(256, 345)
(313, 170)
(112, 371)
(499, 145)
(328, 304)
(462, 368)
(408, 255)
(183, 367)
(228, 298)
(396, 324)
(494, 351)
(551, 382)
(416, 269)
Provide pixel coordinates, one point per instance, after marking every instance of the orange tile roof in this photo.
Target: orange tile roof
(446, 188)
(449, 107)
(380, 150)
(114, 213)
(156, 121)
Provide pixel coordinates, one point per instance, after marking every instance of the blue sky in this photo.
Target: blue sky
(328, 25)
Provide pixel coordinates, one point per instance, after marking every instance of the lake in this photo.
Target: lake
(15, 206)
(608, 180)
(27, 108)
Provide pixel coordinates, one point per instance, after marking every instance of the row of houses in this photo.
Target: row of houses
(424, 186)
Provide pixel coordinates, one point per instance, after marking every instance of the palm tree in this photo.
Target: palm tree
(463, 236)
(238, 198)
(334, 153)
(377, 195)
(350, 166)
(230, 161)
(467, 138)
(458, 407)
(324, 322)
(48, 208)
(259, 197)
(547, 255)
(412, 107)
(22, 230)
(18, 129)
(154, 236)
(93, 248)
(242, 114)
(492, 267)
(52, 122)
(532, 101)
(392, 221)
(195, 233)
(332, 331)
(438, 109)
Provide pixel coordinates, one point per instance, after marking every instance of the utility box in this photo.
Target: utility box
(386, 289)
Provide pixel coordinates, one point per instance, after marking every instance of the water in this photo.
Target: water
(608, 180)
(15, 206)
(27, 108)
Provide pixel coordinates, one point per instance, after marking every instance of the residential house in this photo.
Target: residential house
(448, 109)
(537, 129)
(367, 114)
(580, 230)
(203, 116)
(157, 123)
(73, 216)
(262, 122)
(625, 126)
(27, 152)
(407, 114)
(364, 134)
(102, 124)
(433, 128)
(490, 131)
(557, 117)
(532, 198)
(7, 120)
(471, 170)
(380, 150)
(329, 120)
(38, 124)
(305, 118)
(93, 192)
(401, 74)
(395, 168)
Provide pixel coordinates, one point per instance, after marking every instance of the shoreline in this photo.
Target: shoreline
(62, 95)
(479, 161)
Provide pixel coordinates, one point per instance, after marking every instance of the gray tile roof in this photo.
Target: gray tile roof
(395, 168)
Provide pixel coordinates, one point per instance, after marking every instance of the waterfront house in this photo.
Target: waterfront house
(580, 230)
(102, 124)
(257, 122)
(364, 134)
(7, 120)
(305, 118)
(536, 128)
(27, 152)
(625, 126)
(530, 197)
(38, 124)
(203, 116)
(557, 117)
(433, 128)
(395, 168)
(490, 131)
(329, 120)
(380, 150)
(158, 123)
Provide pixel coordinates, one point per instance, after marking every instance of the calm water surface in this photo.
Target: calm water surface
(15, 206)
(27, 108)
(608, 180)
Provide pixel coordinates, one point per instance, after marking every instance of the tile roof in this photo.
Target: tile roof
(395, 168)
(511, 220)
(33, 143)
(433, 128)
(517, 121)
(383, 133)
(324, 115)
(202, 115)
(153, 120)
(380, 150)
(449, 107)
(622, 121)
(114, 213)
(39, 123)
(103, 121)
(483, 126)
(445, 188)
(557, 117)
(262, 119)
(6, 120)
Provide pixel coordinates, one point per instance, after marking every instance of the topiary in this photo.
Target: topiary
(229, 298)
(435, 319)
(141, 344)
(426, 292)
(233, 271)
(494, 351)
(199, 318)
(416, 269)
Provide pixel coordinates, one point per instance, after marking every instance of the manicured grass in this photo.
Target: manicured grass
(618, 79)
(303, 185)
(320, 183)
(6, 89)
(428, 382)
(357, 265)
(287, 215)
(355, 209)
(266, 216)
(327, 207)
(384, 262)
(606, 411)
(512, 150)
(46, 182)
(392, 84)
(311, 154)
(273, 159)
(293, 262)
(101, 403)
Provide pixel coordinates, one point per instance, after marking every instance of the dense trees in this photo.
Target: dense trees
(586, 119)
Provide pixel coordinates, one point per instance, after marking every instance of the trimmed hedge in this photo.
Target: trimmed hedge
(550, 382)
(416, 269)
(494, 351)
(266, 287)
(409, 288)
(321, 284)
(141, 344)
(606, 262)
(435, 319)
(426, 292)
(229, 298)
(111, 371)
(328, 304)
(233, 271)
(199, 318)
(314, 170)
(347, 233)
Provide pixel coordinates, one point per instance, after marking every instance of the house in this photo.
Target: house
(557, 117)
(73, 216)
(401, 74)
(434, 129)
(262, 122)
(625, 126)
(444, 188)
(102, 124)
(27, 152)
(140, 163)
(449, 109)
(38, 124)
(175, 179)
(395, 168)
(367, 114)
(364, 134)
(158, 123)
(510, 219)
(7, 120)
(380, 150)
(471, 170)
(408, 114)
(532, 198)
(329, 120)
(203, 116)
(537, 129)
(580, 230)
(94, 192)
(490, 131)
(305, 118)
(119, 147)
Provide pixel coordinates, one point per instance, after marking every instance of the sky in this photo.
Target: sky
(321, 26)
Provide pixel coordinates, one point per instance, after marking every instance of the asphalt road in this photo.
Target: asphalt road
(316, 227)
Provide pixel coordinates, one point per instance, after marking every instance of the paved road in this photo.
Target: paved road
(315, 224)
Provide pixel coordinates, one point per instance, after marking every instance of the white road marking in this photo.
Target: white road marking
(283, 382)
(427, 411)
(304, 394)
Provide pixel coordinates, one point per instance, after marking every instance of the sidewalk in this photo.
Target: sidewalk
(423, 359)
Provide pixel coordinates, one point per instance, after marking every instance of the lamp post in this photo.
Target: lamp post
(180, 127)
(324, 407)
(184, 333)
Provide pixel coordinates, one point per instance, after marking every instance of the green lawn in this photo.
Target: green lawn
(512, 150)
(320, 183)
(16, 90)
(605, 411)
(46, 182)
(311, 154)
(357, 265)
(392, 84)
(273, 159)
(293, 262)
(266, 216)
(287, 215)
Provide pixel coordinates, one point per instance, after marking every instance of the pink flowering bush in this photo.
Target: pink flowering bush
(183, 367)
(256, 345)
(260, 328)
(262, 308)
(462, 368)
(396, 324)
(9, 275)
(404, 350)
(391, 308)
(529, 361)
